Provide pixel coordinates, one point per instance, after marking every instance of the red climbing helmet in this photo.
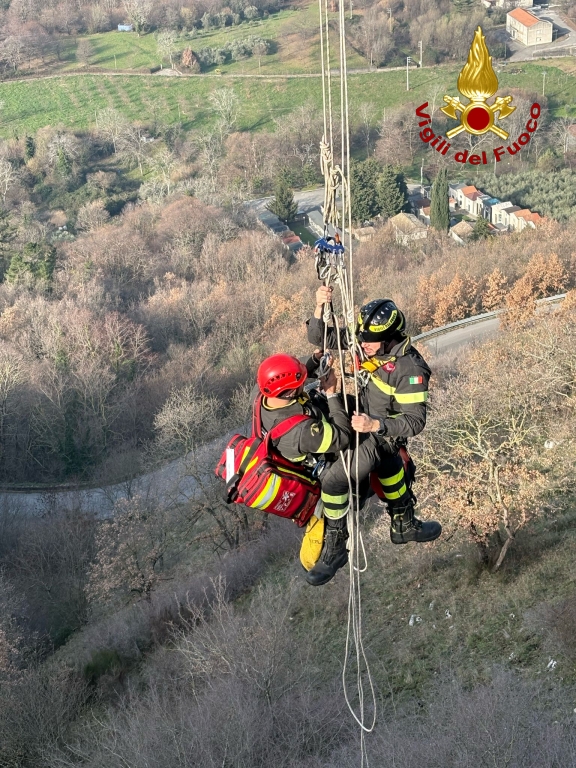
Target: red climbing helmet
(280, 373)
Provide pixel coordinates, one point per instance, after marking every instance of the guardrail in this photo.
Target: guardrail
(441, 330)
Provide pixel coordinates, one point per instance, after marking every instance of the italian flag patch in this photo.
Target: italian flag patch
(415, 379)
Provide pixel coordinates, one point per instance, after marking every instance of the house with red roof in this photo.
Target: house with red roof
(527, 28)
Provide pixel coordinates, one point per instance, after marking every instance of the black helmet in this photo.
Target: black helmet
(379, 320)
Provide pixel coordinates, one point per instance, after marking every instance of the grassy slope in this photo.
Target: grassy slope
(470, 619)
(289, 52)
(72, 101)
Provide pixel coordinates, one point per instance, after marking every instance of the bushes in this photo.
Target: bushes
(231, 694)
(233, 51)
(508, 721)
(482, 449)
(35, 712)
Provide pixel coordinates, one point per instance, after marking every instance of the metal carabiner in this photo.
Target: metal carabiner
(325, 365)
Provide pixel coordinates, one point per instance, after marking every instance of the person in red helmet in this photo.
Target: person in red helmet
(315, 442)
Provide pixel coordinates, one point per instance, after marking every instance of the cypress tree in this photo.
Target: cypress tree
(391, 197)
(283, 203)
(17, 268)
(38, 259)
(364, 198)
(63, 164)
(29, 148)
(46, 262)
(439, 205)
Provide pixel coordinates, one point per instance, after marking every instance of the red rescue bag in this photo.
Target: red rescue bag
(259, 477)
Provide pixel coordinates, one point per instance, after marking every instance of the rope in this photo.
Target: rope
(337, 272)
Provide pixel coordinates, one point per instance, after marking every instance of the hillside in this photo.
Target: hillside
(139, 294)
(74, 100)
(245, 672)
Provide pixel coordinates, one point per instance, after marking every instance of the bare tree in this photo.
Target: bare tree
(11, 376)
(112, 125)
(166, 45)
(366, 112)
(63, 142)
(133, 144)
(132, 550)
(138, 13)
(162, 165)
(14, 49)
(260, 49)
(91, 216)
(563, 133)
(373, 37)
(84, 51)
(187, 419)
(98, 18)
(8, 175)
(226, 104)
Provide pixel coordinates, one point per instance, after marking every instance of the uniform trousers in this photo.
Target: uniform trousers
(373, 455)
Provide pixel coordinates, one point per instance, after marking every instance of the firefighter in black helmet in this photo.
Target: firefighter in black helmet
(393, 408)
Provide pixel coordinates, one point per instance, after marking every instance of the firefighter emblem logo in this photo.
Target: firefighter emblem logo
(478, 82)
(284, 502)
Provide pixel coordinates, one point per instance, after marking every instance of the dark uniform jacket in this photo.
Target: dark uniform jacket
(397, 391)
(327, 431)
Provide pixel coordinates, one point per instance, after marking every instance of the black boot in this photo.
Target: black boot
(334, 553)
(404, 527)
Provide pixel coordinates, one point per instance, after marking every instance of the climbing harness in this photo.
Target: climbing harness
(333, 267)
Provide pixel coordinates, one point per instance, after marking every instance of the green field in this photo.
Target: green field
(293, 34)
(74, 100)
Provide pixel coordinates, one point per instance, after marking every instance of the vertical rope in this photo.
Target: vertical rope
(344, 278)
(323, 72)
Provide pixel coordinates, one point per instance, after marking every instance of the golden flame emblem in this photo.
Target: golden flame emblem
(478, 82)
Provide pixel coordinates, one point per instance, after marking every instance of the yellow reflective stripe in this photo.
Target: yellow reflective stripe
(334, 499)
(395, 494)
(268, 494)
(298, 458)
(386, 388)
(413, 397)
(298, 474)
(327, 439)
(251, 464)
(392, 480)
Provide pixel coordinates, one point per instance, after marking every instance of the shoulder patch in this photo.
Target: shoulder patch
(416, 380)
(315, 428)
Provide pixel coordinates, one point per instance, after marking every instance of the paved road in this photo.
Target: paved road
(461, 337)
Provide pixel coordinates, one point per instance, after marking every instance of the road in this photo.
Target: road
(307, 201)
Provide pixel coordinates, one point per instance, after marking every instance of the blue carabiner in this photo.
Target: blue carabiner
(328, 245)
